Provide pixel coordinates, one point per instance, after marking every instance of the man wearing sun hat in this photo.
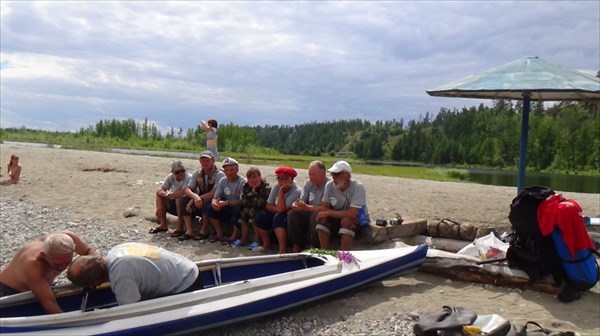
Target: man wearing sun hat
(169, 194)
(342, 200)
(226, 204)
(274, 217)
(198, 195)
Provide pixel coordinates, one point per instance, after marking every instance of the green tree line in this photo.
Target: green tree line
(564, 137)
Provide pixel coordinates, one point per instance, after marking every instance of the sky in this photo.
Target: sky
(66, 65)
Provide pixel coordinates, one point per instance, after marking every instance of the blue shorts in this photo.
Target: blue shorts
(229, 214)
(268, 220)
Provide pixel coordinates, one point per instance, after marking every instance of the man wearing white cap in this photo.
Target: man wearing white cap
(343, 199)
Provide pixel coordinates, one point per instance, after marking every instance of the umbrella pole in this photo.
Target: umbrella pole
(523, 145)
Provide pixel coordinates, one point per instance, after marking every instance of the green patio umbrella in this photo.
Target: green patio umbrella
(529, 78)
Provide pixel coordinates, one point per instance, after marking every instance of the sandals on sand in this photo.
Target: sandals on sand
(158, 229)
(200, 236)
(214, 239)
(185, 236)
(176, 233)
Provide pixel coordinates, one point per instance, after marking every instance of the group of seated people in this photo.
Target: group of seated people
(257, 213)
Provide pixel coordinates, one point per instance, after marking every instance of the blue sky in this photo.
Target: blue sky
(66, 65)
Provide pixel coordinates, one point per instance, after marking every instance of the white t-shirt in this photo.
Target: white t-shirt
(140, 271)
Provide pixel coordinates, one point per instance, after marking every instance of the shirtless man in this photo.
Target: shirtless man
(37, 264)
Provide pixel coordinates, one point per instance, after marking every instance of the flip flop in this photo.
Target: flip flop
(176, 233)
(214, 239)
(158, 230)
(200, 236)
(185, 236)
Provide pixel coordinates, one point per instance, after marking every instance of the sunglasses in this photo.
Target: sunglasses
(179, 172)
(336, 174)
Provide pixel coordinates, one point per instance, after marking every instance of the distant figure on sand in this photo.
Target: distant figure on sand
(210, 127)
(14, 171)
(37, 264)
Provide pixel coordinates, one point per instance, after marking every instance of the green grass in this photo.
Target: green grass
(302, 162)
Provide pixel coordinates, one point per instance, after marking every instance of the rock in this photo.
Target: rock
(131, 212)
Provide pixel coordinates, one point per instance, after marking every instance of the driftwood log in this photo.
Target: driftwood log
(465, 268)
(450, 245)
(373, 234)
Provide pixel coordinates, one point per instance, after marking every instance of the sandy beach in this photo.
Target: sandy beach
(100, 186)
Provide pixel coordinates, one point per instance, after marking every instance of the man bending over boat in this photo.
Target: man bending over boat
(137, 272)
(37, 264)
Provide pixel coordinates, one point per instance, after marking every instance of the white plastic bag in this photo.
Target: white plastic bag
(487, 247)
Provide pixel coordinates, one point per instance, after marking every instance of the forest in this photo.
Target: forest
(562, 138)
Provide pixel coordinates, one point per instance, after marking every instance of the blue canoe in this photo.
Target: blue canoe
(235, 289)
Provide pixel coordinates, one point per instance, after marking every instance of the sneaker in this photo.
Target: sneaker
(258, 249)
(253, 246)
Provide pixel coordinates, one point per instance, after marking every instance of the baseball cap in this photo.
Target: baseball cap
(339, 167)
(177, 165)
(289, 171)
(207, 154)
(229, 162)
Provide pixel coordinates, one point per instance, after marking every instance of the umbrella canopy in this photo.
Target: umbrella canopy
(529, 78)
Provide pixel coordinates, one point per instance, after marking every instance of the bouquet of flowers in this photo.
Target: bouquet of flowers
(344, 256)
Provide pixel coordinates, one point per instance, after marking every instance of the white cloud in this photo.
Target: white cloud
(67, 65)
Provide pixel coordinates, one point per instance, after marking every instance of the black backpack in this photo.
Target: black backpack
(538, 255)
(529, 250)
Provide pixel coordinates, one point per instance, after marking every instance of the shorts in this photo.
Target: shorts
(268, 220)
(6, 290)
(301, 228)
(229, 214)
(172, 209)
(339, 226)
(183, 201)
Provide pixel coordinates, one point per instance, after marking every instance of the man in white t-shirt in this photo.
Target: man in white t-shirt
(137, 272)
(342, 199)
